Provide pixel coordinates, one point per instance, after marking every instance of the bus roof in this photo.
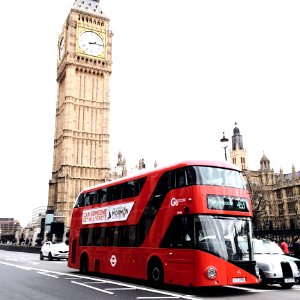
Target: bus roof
(143, 173)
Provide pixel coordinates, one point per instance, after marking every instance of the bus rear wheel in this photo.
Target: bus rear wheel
(84, 264)
(155, 273)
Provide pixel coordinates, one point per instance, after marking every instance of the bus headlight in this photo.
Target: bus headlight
(211, 272)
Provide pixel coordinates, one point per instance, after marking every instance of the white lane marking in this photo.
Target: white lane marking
(93, 288)
(108, 281)
(46, 274)
(251, 290)
(121, 289)
(12, 265)
(158, 297)
(91, 281)
(172, 296)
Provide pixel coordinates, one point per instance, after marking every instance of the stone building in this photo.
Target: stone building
(275, 196)
(8, 229)
(81, 141)
(120, 170)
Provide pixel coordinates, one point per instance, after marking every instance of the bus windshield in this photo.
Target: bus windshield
(220, 177)
(221, 235)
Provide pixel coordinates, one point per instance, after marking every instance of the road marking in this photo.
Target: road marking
(12, 265)
(93, 288)
(251, 290)
(91, 281)
(121, 289)
(158, 297)
(47, 274)
(170, 296)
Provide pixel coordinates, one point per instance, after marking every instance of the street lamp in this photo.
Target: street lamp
(225, 141)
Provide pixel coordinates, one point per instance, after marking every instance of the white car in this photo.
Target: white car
(274, 267)
(54, 251)
(275, 249)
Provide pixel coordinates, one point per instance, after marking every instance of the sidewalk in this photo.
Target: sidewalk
(29, 249)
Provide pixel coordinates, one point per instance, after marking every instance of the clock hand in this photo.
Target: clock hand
(95, 43)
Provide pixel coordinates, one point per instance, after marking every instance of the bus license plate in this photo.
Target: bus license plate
(242, 279)
(289, 280)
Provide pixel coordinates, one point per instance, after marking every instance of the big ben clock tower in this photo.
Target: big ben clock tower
(81, 141)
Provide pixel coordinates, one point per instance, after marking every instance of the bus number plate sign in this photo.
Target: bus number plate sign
(238, 279)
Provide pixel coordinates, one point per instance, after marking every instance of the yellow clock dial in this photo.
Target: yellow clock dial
(91, 43)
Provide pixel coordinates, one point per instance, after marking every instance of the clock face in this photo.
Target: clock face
(91, 43)
(61, 48)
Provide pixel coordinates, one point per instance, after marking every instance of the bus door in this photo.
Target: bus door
(179, 266)
(179, 254)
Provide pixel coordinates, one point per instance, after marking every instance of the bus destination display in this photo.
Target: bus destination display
(227, 203)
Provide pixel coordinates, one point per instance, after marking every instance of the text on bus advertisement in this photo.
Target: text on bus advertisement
(112, 213)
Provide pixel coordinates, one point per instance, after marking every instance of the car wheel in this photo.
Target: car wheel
(286, 285)
(263, 281)
(41, 256)
(156, 273)
(50, 257)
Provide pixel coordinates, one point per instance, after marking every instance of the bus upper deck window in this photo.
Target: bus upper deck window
(80, 201)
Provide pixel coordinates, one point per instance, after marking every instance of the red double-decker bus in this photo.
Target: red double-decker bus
(179, 224)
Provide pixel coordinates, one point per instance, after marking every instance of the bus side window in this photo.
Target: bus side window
(116, 236)
(179, 234)
(166, 183)
(109, 236)
(100, 239)
(192, 177)
(80, 201)
(180, 178)
(114, 192)
(138, 185)
(128, 189)
(84, 234)
(101, 195)
(93, 197)
(87, 200)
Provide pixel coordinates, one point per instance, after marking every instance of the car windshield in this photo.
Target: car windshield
(272, 247)
(258, 247)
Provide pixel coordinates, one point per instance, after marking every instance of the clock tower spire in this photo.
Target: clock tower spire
(91, 6)
(238, 155)
(81, 141)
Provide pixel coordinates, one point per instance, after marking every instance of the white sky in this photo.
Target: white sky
(183, 72)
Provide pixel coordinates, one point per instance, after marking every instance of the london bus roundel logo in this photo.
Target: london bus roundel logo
(113, 260)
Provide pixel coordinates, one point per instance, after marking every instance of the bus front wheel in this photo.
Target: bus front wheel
(155, 273)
